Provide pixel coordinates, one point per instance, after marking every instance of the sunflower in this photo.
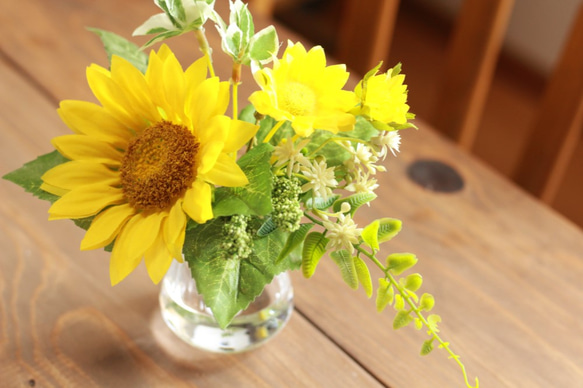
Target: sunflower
(146, 159)
(302, 89)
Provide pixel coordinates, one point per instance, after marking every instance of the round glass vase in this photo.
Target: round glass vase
(186, 314)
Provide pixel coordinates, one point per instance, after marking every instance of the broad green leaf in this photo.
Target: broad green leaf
(400, 262)
(255, 197)
(370, 235)
(29, 175)
(355, 201)
(427, 302)
(363, 275)
(117, 45)
(264, 45)
(314, 249)
(413, 282)
(248, 114)
(402, 319)
(385, 294)
(321, 203)
(267, 227)
(427, 347)
(345, 262)
(388, 228)
(229, 285)
(294, 240)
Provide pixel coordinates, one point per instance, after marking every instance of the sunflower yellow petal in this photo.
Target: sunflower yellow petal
(203, 101)
(78, 173)
(197, 202)
(195, 74)
(105, 226)
(226, 172)
(212, 139)
(135, 238)
(174, 230)
(240, 133)
(91, 119)
(85, 201)
(81, 147)
(157, 259)
(58, 191)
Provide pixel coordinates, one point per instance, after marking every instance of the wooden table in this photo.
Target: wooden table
(505, 270)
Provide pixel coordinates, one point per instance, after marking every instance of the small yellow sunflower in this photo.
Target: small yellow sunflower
(146, 159)
(302, 89)
(385, 98)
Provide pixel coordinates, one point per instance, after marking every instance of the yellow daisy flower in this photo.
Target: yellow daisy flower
(302, 89)
(145, 159)
(384, 99)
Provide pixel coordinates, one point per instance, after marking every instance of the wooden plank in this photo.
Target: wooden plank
(61, 324)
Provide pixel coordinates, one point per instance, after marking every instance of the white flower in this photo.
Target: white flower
(342, 233)
(363, 155)
(288, 152)
(387, 140)
(362, 184)
(320, 178)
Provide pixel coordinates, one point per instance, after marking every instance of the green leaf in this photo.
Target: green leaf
(370, 235)
(294, 240)
(388, 228)
(29, 175)
(117, 45)
(264, 45)
(321, 203)
(267, 227)
(402, 319)
(229, 285)
(355, 201)
(314, 249)
(248, 114)
(413, 282)
(427, 302)
(432, 322)
(399, 302)
(363, 275)
(400, 262)
(427, 347)
(255, 197)
(385, 294)
(345, 262)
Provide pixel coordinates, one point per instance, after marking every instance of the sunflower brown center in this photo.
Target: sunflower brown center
(158, 166)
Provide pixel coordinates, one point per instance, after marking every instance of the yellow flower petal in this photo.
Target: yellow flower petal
(135, 238)
(174, 230)
(239, 135)
(81, 147)
(226, 172)
(85, 201)
(197, 202)
(212, 140)
(158, 260)
(202, 102)
(105, 226)
(58, 191)
(78, 173)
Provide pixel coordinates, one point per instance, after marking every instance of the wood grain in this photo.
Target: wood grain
(505, 270)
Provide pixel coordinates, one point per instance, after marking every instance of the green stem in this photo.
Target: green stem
(236, 80)
(314, 220)
(405, 295)
(205, 48)
(273, 131)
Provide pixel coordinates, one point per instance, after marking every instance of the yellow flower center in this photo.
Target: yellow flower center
(158, 166)
(298, 99)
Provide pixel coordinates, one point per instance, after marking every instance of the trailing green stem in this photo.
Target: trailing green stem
(405, 295)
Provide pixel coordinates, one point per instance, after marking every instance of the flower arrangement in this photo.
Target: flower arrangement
(157, 171)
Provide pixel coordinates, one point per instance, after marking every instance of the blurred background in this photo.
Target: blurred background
(533, 40)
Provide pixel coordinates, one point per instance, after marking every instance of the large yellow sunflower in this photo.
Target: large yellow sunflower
(302, 89)
(145, 159)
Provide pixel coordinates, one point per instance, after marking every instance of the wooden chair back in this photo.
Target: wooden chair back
(557, 126)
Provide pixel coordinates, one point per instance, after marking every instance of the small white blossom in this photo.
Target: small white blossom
(320, 178)
(362, 184)
(387, 140)
(342, 233)
(362, 155)
(288, 152)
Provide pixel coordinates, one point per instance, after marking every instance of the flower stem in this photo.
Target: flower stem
(205, 48)
(273, 131)
(236, 80)
(405, 295)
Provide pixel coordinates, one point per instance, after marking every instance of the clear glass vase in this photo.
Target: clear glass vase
(186, 314)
